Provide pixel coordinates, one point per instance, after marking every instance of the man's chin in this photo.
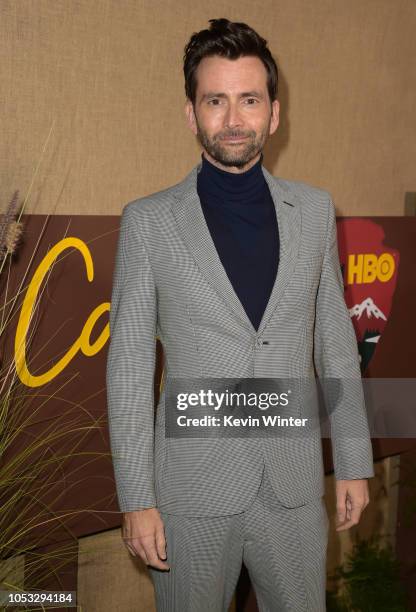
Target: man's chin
(229, 158)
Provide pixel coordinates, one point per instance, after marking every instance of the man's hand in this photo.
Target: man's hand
(144, 535)
(352, 498)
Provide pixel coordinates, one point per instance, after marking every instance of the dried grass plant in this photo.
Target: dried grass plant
(35, 470)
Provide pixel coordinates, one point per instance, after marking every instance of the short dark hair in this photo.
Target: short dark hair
(231, 40)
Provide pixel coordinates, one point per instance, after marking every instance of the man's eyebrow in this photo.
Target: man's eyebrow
(244, 94)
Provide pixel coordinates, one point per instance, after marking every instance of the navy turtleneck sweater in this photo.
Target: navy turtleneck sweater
(241, 217)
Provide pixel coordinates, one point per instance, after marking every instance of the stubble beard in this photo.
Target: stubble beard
(238, 155)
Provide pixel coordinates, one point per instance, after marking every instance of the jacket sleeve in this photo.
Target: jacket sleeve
(337, 363)
(130, 368)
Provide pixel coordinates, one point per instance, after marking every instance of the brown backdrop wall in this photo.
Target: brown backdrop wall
(93, 91)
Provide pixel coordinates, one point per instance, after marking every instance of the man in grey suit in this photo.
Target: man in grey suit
(237, 272)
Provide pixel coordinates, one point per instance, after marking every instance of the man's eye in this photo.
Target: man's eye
(213, 101)
(251, 100)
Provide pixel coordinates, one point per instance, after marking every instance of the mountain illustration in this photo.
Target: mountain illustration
(369, 307)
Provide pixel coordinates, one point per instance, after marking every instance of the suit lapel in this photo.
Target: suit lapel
(288, 212)
(194, 231)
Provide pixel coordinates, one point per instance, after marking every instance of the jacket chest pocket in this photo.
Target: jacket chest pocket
(303, 284)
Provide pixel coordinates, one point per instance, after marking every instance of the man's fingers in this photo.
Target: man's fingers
(149, 545)
(161, 543)
(341, 512)
(348, 505)
(141, 551)
(352, 514)
(135, 548)
(347, 524)
(352, 497)
(143, 533)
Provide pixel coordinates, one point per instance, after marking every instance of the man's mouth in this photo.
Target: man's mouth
(234, 138)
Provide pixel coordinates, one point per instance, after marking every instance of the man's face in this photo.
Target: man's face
(233, 115)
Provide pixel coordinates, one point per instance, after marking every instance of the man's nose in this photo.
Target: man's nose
(233, 118)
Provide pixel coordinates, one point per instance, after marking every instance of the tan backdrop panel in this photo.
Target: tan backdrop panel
(109, 578)
(92, 98)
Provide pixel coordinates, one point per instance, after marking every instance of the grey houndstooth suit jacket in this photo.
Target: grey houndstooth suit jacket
(169, 283)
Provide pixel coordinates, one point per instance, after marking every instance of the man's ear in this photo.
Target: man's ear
(275, 117)
(190, 116)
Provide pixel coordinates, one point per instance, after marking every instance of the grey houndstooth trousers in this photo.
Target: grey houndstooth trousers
(284, 550)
